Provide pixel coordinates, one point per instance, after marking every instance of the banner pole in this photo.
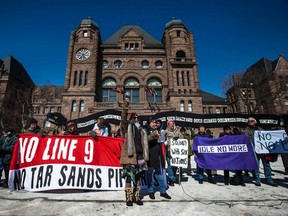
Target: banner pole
(179, 175)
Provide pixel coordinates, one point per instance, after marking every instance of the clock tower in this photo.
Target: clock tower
(83, 73)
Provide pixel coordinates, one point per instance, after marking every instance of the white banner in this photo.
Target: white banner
(271, 142)
(179, 153)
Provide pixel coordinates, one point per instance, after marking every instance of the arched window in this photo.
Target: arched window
(156, 86)
(177, 77)
(189, 106)
(105, 64)
(86, 78)
(180, 56)
(182, 77)
(188, 78)
(182, 106)
(73, 106)
(75, 78)
(108, 95)
(81, 107)
(132, 89)
(80, 78)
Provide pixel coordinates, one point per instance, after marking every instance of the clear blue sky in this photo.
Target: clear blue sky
(230, 35)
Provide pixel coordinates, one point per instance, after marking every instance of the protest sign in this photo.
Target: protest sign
(271, 142)
(179, 153)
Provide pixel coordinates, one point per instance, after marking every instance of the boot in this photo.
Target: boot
(136, 193)
(128, 193)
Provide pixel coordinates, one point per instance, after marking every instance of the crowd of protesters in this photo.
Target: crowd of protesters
(147, 151)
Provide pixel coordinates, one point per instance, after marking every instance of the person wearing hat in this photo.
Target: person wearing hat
(71, 129)
(134, 157)
(7, 142)
(34, 128)
(249, 132)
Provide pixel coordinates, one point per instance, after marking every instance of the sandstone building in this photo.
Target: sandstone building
(129, 60)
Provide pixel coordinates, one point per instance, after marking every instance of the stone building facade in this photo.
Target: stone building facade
(261, 89)
(133, 61)
(16, 88)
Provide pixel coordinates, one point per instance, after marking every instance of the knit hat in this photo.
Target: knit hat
(168, 122)
(70, 124)
(33, 121)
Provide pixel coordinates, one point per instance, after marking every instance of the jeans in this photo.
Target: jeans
(160, 177)
(171, 171)
(266, 166)
(200, 173)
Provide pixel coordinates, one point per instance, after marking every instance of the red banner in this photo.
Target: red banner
(66, 162)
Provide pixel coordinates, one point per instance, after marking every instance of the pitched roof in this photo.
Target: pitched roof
(115, 38)
(16, 69)
(208, 98)
(264, 65)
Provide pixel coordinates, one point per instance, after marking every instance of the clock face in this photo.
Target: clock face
(83, 54)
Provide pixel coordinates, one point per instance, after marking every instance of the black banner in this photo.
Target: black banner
(185, 119)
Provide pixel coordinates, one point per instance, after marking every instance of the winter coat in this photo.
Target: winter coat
(6, 148)
(128, 151)
(249, 131)
(156, 159)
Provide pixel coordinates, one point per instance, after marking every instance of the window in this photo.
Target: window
(145, 64)
(80, 78)
(218, 110)
(180, 56)
(132, 89)
(182, 77)
(204, 110)
(105, 64)
(189, 106)
(178, 33)
(117, 64)
(177, 77)
(45, 110)
(52, 109)
(85, 33)
(59, 109)
(224, 110)
(188, 78)
(210, 110)
(73, 108)
(75, 78)
(81, 108)
(86, 78)
(158, 64)
(182, 106)
(108, 95)
(156, 86)
(126, 46)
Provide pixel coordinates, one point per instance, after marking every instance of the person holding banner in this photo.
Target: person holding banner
(199, 170)
(156, 161)
(249, 131)
(134, 157)
(34, 128)
(173, 132)
(71, 129)
(7, 142)
(186, 134)
(100, 128)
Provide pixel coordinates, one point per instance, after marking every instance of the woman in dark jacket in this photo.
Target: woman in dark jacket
(156, 161)
(7, 142)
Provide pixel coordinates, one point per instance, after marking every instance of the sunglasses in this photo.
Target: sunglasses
(251, 121)
(135, 117)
